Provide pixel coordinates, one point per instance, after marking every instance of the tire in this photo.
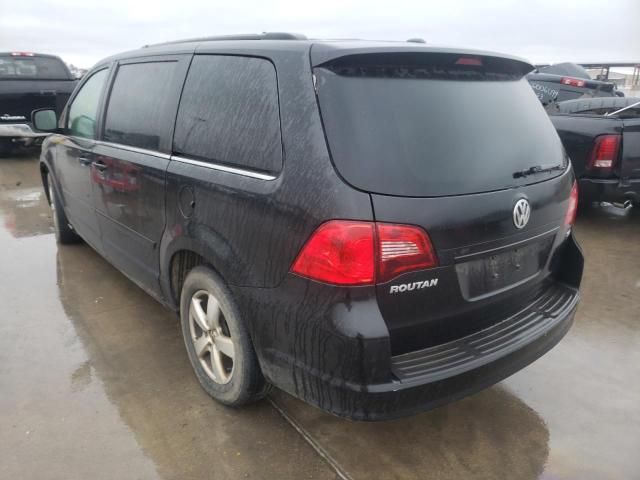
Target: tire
(64, 233)
(226, 365)
(6, 147)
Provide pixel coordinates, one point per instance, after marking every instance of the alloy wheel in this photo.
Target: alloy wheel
(211, 337)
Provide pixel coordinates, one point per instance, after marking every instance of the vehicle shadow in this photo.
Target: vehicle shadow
(136, 353)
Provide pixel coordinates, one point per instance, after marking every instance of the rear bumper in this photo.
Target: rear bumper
(608, 190)
(22, 132)
(432, 377)
(454, 358)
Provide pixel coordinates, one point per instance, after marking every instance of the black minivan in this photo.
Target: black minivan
(374, 227)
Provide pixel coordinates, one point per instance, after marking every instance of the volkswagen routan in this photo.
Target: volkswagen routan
(377, 228)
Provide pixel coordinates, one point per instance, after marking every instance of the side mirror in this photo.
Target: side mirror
(45, 120)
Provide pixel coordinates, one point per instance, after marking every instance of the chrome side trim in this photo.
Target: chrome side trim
(224, 168)
(143, 151)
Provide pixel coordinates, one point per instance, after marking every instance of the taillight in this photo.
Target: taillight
(339, 252)
(572, 210)
(344, 252)
(574, 82)
(402, 248)
(604, 153)
(22, 54)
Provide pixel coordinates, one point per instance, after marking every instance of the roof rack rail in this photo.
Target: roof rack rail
(246, 36)
(416, 40)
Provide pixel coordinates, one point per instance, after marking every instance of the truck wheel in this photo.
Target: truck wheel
(64, 233)
(217, 340)
(5, 147)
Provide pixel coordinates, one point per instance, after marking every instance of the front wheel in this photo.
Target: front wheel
(64, 233)
(217, 340)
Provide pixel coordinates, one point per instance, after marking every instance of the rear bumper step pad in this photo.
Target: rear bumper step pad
(483, 347)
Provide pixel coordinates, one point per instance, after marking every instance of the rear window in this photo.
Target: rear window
(42, 68)
(434, 128)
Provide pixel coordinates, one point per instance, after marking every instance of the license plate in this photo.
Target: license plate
(497, 271)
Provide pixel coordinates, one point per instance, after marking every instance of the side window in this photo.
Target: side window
(83, 113)
(140, 111)
(229, 113)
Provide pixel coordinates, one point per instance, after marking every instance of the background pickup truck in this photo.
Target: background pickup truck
(602, 138)
(29, 81)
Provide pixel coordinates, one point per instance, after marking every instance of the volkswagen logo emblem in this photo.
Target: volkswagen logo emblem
(521, 213)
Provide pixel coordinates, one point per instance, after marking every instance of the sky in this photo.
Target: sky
(82, 32)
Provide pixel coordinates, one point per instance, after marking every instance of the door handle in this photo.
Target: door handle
(100, 165)
(84, 161)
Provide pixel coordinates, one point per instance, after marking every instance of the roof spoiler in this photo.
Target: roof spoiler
(417, 55)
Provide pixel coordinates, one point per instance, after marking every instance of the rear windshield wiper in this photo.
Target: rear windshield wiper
(537, 169)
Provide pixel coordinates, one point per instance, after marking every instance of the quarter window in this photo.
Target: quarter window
(141, 107)
(229, 113)
(83, 112)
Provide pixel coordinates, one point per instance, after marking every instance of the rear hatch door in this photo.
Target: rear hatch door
(441, 141)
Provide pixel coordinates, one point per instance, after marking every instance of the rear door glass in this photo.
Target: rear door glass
(229, 113)
(141, 107)
(425, 128)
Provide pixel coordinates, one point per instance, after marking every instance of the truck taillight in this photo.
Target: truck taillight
(574, 82)
(345, 252)
(572, 209)
(604, 153)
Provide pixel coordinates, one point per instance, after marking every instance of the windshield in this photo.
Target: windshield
(395, 133)
(41, 68)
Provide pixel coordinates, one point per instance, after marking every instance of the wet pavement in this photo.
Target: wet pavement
(95, 383)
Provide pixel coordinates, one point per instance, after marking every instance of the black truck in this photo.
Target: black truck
(29, 81)
(602, 138)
